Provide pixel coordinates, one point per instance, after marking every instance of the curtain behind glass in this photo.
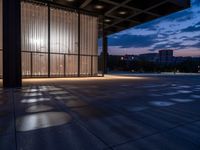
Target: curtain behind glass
(34, 29)
(64, 40)
(88, 44)
(64, 31)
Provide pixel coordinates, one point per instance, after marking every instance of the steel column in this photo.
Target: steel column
(105, 48)
(12, 72)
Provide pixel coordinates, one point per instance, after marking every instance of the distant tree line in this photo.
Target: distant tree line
(117, 64)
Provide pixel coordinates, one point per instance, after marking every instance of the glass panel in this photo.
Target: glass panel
(26, 66)
(34, 26)
(85, 66)
(57, 65)
(34, 36)
(71, 65)
(40, 63)
(63, 41)
(88, 44)
(95, 65)
(64, 31)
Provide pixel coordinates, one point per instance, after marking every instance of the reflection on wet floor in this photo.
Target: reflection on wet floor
(29, 90)
(181, 100)
(58, 92)
(171, 93)
(155, 85)
(32, 94)
(135, 109)
(50, 89)
(34, 100)
(65, 97)
(89, 112)
(115, 113)
(184, 92)
(197, 89)
(75, 103)
(195, 96)
(38, 108)
(155, 95)
(161, 103)
(41, 120)
(184, 86)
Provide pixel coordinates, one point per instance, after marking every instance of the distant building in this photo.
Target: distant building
(129, 57)
(178, 60)
(166, 56)
(151, 57)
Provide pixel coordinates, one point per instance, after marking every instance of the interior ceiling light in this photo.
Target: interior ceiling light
(122, 12)
(98, 6)
(70, 0)
(107, 20)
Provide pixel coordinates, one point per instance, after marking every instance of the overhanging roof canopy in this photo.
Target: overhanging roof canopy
(123, 14)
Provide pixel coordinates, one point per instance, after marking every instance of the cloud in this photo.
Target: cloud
(192, 28)
(195, 2)
(179, 31)
(136, 41)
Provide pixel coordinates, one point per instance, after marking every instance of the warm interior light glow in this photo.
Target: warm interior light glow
(98, 6)
(37, 41)
(122, 12)
(107, 20)
(63, 42)
(63, 80)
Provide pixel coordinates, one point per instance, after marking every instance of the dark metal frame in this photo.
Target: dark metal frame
(64, 62)
(1, 75)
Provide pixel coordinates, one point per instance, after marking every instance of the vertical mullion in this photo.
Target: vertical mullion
(49, 38)
(64, 65)
(91, 65)
(103, 57)
(31, 64)
(79, 30)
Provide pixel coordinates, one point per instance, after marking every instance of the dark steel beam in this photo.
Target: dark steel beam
(144, 11)
(117, 6)
(12, 44)
(87, 2)
(124, 4)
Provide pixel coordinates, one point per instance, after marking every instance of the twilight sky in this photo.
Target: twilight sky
(179, 31)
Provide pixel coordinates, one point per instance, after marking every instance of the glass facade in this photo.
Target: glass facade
(34, 37)
(52, 44)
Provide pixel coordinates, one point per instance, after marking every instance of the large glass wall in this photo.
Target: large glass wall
(88, 44)
(34, 28)
(64, 42)
(62, 57)
(1, 39)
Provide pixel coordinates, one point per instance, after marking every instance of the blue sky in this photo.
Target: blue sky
(179, 31)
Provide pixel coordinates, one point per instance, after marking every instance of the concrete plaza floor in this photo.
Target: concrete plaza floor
(111, 113)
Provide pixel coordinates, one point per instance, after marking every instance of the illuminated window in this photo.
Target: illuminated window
(63, 57)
